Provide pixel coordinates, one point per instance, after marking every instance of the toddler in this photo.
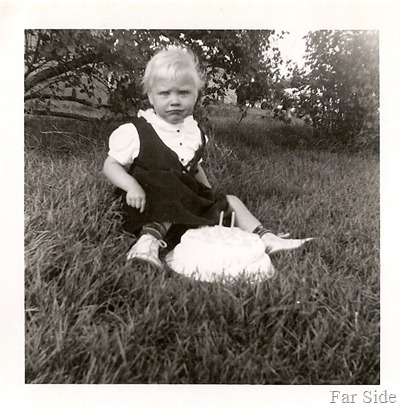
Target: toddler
(155, 163)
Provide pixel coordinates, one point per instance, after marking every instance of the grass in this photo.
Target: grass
(92, 317)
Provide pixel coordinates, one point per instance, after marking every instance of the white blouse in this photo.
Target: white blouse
(183, 138)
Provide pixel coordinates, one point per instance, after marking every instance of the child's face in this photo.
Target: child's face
(173, 100)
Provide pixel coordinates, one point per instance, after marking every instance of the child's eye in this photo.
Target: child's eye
(164, 93)
(184, 92)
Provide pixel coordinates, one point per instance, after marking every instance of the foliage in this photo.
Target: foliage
(341, 84)
(101, 69)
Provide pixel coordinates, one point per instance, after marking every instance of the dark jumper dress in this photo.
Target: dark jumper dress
(172, 192)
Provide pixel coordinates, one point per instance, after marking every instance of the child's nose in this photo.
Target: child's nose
(175, 100)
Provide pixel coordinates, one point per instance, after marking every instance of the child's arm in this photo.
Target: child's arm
(116, 173)
(201, 176)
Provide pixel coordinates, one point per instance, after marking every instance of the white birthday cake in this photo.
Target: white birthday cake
(210, 252)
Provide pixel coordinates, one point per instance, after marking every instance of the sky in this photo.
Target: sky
(292, 47)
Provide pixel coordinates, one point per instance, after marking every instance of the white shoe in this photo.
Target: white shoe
(146, 248)
(274, 243)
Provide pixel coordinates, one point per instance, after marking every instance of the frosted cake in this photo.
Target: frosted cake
(210, 252)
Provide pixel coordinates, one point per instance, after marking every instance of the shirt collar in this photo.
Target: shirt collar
(150, 116)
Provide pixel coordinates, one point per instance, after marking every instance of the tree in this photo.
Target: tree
(341, 93)
(100, 70)
(87, 68)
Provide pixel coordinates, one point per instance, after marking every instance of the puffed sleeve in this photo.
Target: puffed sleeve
(124, 144)
(205, 143)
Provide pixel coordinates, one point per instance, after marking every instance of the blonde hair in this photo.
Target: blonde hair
(170, 64)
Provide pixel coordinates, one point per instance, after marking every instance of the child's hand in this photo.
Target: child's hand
(136, 197)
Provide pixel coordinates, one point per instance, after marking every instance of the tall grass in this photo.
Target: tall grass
(93, 317)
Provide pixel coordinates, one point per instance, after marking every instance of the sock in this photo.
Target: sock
(155, 229)
(261, 230)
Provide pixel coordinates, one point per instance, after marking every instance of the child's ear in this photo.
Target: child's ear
(150, 98)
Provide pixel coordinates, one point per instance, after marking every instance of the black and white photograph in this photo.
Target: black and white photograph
(205, 212)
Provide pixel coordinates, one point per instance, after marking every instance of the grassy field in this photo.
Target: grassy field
(93, 317)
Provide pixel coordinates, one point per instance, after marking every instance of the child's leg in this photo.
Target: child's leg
(156, 229)
(243, 217)
(149, 242)
(245, 220)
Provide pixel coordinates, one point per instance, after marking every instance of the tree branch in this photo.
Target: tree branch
(59, 69)
(38, 66)
(65, 98)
